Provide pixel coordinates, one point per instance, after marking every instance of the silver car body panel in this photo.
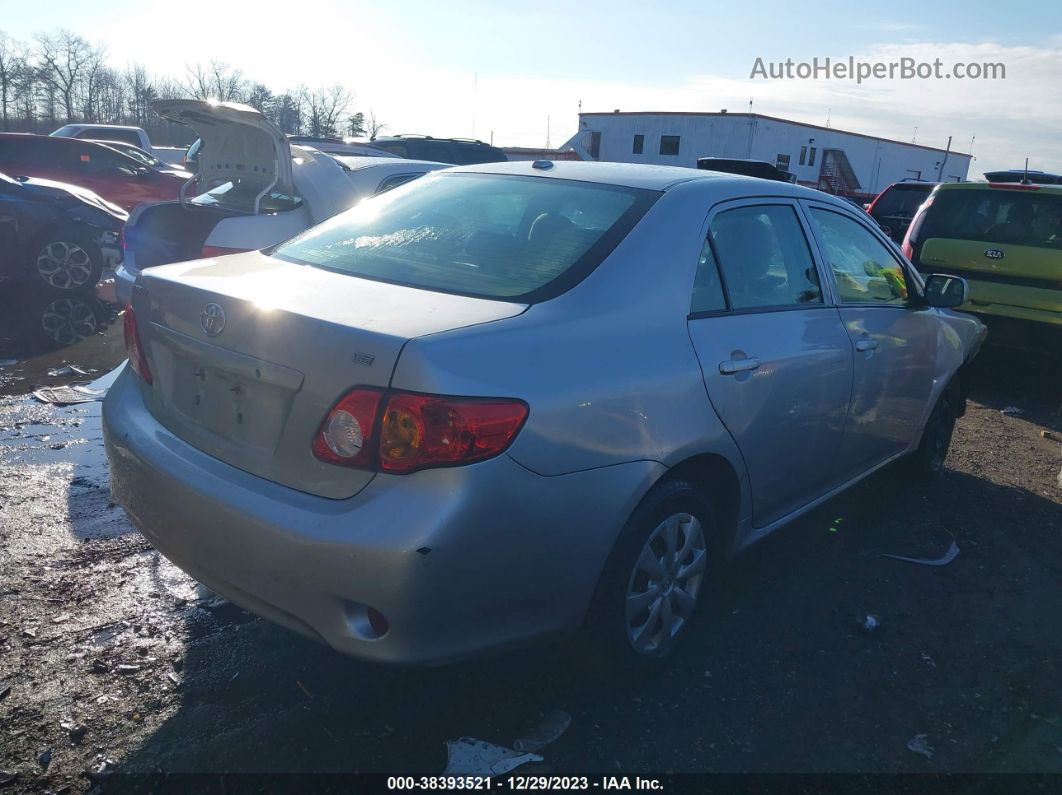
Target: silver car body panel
(622, 385)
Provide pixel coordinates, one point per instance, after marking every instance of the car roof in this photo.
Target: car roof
(413, 137)
(636, 175)
(1045, 188)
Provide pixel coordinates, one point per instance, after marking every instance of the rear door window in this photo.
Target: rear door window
(995, 215)
(765, 257)
(864, 270)
(487, 235)
(901, 201)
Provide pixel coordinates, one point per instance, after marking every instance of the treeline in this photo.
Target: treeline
(59, 78)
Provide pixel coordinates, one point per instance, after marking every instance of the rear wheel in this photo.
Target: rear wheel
(64, 260)
(660, 571)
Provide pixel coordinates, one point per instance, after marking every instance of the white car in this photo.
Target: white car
(135, 136)
(254, 189)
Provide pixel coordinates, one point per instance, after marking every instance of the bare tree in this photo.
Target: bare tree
(140, 92)
(63, 59)
(217, 81)
(374, 126)
(12, 64)
(327, 106)
(95, 80)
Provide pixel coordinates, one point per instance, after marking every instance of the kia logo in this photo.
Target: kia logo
(993, 253)
(212, 320)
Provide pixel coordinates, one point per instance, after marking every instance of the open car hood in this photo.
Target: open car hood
(239, 143)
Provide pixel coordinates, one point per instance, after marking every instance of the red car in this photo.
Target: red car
(116, 177)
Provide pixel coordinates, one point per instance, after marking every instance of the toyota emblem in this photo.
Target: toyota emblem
(212, 320)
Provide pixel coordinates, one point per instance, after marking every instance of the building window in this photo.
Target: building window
(782, 162)
(811, 157)
(639, 144)
(803, 155)
(669, 144)
(595, 145)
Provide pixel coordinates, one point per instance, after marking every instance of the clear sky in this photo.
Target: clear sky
(415, 62)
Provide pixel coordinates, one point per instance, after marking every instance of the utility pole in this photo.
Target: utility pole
(940, 173)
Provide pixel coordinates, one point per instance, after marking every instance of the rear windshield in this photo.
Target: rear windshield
(901, 201)
(1017, 217)
(485, 235)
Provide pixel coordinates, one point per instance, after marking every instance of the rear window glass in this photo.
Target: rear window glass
(1017, 217)
(486, 235)
(901, 201)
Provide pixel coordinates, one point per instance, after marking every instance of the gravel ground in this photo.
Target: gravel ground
(111, 659)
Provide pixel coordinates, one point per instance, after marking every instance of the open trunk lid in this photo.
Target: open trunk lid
(249, 353)
(239, 144)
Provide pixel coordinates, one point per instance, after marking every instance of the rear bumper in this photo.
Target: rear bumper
(1020, 302)
(460, 560)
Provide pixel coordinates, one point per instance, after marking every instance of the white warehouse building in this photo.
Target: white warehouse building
(837, 161)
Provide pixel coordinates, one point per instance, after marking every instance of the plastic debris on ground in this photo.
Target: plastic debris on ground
(469, 756)
(948, 557)
(920, 745)
(553, 725)
(1010, 411)
(68, 369)
(8, 362)
(68, 395)
(869, 622)
(472, 757)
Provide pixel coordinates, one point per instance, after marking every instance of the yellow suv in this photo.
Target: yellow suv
(1005, 239)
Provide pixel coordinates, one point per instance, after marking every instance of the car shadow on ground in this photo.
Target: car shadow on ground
(781, 673)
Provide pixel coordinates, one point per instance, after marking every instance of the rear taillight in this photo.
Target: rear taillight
(133, 347)
(347, 437)
(407, 431)
(910, 240)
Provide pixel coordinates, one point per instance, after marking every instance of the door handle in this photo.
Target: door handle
(738, 366)
(866, 344)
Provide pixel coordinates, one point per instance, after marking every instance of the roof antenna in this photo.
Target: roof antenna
(1025, 178)
(829, 113)
(915, 136)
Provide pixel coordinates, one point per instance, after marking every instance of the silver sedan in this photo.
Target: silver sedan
(520, 400)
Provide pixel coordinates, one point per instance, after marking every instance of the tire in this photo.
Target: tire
(926, 464)
(663, 565)
(64, 260)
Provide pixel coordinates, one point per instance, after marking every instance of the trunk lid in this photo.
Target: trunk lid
(249, 353)
(238, 143)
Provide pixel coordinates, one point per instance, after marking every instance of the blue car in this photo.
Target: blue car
(55, 235)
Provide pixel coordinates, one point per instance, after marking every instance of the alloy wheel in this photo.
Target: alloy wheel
(68, 320)
(662, 590)
(64, 265)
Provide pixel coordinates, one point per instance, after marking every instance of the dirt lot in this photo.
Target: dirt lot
(112, 660)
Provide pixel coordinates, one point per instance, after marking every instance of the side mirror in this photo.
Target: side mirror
(946, 292)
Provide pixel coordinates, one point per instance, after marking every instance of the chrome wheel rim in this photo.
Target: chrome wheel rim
(663, 588)
(67, 321)
(64, 265)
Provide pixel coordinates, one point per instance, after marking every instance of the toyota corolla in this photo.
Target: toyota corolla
(519, 400)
